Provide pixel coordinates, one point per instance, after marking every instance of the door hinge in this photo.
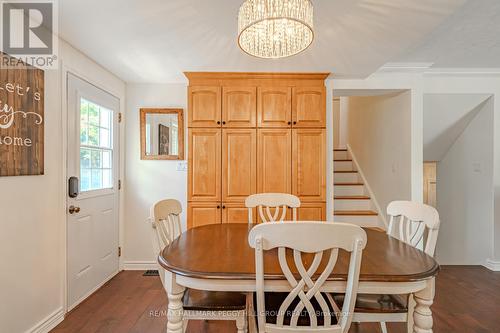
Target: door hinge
(119, 117)
(119, 184)
(119, 251)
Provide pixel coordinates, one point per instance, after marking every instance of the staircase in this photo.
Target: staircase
(352, 204)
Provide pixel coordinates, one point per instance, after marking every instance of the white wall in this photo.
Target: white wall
(476, 82)
(385, 82)
(32, 218)
(465, 194)
(379, 134)
(438, 81)
(148, 181)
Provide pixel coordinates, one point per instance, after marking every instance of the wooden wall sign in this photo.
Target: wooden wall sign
(21, 120)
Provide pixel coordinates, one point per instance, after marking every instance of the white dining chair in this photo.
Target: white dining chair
(303, 308)
(272, 207)
(197, 304)
(417, 225)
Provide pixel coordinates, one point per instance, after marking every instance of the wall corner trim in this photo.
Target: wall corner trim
(139, 265)
(492, 265)
(48, 323)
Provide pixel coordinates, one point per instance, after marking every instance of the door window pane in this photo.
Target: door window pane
(96, 147)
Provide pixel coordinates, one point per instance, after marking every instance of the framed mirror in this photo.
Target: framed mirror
(162, 134)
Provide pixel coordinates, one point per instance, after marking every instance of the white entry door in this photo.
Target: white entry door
(92, 204)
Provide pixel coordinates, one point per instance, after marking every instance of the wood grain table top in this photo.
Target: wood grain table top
(221, 251)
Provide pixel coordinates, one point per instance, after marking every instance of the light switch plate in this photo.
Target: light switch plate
(182, 166)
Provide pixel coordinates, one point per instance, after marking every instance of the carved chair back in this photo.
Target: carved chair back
(166, 224)
(272, 207)
(318, 240)
(413, 223)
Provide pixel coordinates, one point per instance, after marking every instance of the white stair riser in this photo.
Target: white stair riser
(353, 205)
(347, 178)
(349, 190)
(362, 221)
(341, 155)
(343, 166)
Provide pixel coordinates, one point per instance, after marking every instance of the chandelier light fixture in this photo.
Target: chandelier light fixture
(274, 29)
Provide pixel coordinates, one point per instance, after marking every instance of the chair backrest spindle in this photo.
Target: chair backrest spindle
(418, 223)
(266, 202)
(322, 241)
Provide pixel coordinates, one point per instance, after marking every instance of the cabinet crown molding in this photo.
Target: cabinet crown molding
(256, 75)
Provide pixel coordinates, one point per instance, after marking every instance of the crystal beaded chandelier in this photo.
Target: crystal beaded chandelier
(275, 28)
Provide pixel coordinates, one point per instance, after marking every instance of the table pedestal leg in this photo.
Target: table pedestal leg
(175, 311)
(422, 315)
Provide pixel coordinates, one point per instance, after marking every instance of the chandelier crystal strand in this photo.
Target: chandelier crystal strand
(275, 28)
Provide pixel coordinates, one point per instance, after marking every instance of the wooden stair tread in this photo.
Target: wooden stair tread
(340, 149)
(348, 184)
(342, 160)
(352, 197)
(346, 171)
(355, 213)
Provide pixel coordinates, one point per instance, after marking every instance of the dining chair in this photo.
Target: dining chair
(303, 307)
(265, 202)
(197, 304)
(415, 224)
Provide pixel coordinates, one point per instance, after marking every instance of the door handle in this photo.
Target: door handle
(73, 210)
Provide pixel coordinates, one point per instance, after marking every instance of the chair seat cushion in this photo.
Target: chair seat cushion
(200, 300)
(377, 303)
(273, 304)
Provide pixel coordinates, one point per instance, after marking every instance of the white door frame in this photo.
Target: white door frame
(65, 71)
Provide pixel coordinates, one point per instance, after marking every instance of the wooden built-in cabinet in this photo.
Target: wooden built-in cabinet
(308, 164)
(204, 213)
(204, 106)
(274, 166)
(238, 106)
(204, 164)
(239, 164)
(274, 107)
(312, 211)
(309, 107)
(255, 133)
(236, 213)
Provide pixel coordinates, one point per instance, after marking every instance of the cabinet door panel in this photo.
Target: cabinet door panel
(204, 106)
(274, 163)
(239, 164)
(309, 107)
(236, 213)
(239, 106)
(274, 107)
(309, 164)
(204, 165)
(312, 211)
(200, 213)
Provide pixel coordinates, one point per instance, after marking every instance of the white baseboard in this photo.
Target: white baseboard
(47, 324)
(139, 265)
(492, 265)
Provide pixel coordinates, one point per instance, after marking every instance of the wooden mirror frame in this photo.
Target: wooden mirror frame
(180, 119)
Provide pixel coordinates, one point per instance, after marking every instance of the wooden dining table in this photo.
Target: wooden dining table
(218, 258)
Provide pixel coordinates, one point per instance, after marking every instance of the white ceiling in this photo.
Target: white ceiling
(446, 116)
(156, 40)
(469, 38)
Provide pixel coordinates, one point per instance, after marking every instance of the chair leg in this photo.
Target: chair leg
(383, 327)
(411, 309)
(241, 324)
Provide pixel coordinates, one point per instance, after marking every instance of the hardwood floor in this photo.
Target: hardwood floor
(467, 300)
